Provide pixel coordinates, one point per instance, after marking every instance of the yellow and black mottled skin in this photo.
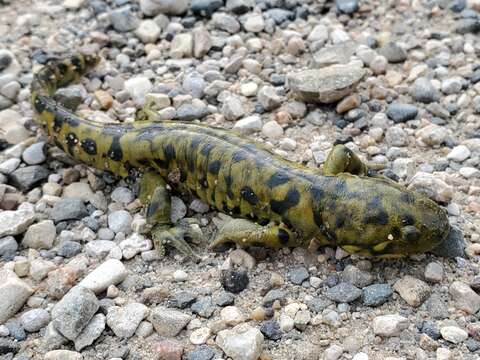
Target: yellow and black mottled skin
(342, 206)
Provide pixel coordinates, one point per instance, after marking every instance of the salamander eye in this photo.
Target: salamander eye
(410, 233)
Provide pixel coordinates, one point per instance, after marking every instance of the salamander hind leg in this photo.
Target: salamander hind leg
(247, 233)
(343, 160)
(155, 195)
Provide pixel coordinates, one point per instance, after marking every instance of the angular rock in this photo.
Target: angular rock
(343, 293)
(15, 222)
(13, 294)
(124, 320)
(71, 314)
(464, 297)
(414, 291)
(63, 355)
(243, 342)
(376, 294)
(35, 319)
(68, 209)
(168, 322)
(325, 85)
(28, 177)
(40, 235)
(389, 325)
(91, 332)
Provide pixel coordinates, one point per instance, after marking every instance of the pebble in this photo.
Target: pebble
(134, 245)
(183, 299)
(430, 185)
(434, 272)
(9, 166)
(234, 281)
(376, 294)
(389, 325)
(454, 334)
(464, 297)
(353, 275)
(123, 19)
(393, 52)
(401, 112)
(225, 22)
(268, 98)
(168, 322)
(243, 342)
(200, 335)
(120, 221)
(181, 46)
(124, 320)
(148, 31)
(204, 307)
(35, 319)
(254, 23)
(423, 91)
(91, 332)
(343, 293)
(122, 195)
(14, 292)
(110, 272)
(168, 7)
(443, 354)
(138, 87)
(63, 355)
(414, 291)
(8, 247)
(168, 349)
(68, 209)
(231, 316)
(272, 130)
(28, 177)
(325, 85)
(15, 222)
(333, 352)
(452, 85)
(459, 153)
(40, 235)
(233, 108)
(271, 330)
(74, 311)
(34, 154)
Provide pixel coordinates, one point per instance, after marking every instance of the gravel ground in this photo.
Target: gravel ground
(396, 81)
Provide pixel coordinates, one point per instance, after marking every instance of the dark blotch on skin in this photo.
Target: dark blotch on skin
(238, 156)
(292, 198)
(162, 164)
(229, 182)
(58, 143)
(40, 104)
(317, 194)
(277, 179)
(283, 236)
(115, 152)
(89, 146)
(339, 221)
(206, 149)
(408, 219)
(214, 167)
(380, 218)
(249, 195)
(374, 204)
(407, 198)
(169, 151)
(77, 63)
(62, 68)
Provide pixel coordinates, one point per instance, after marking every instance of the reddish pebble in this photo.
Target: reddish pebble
(168, 349)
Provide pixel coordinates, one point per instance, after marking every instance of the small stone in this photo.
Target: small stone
(404, 168)
(199, 206)
(179, 209)
(60, 281)
(35, 319)
(347, 6)
(91, 332)
(389, 325)
(254, 23)
(453, 246)
(68, 209)
(28, 177)
(393, 52)
(200, 335)
(249, 125)
(204, 307)
(379, 65)
(452, 85)
(71, 314)
(233, 108)
(133, 245)
(63, 355)
(183, 299)
(443, 354)
(181, 46)
(148, 31)
(272, 130)
(350, 102)
(231, 316)
(122, 195)
(302, 319)
(376, 294)
(343, 293)
(401, 112)
(9, 166)
(202, 42)
(138, 87)
(454, 334)
(333, 352)
(111, 272)
(168, 322)
(412, 290)
(14, 292)
(286, 323)
(120, 221)
(144, 329)
(433, 134)
(431, 186)
(104, 99)
(434, 272)
(459, 153)
(271, 330)
(124, 320)
(234, 281)
(423, 91)
(225, 22)
(357, 277)
(123, 19)
(168, 7)
(464, 297)
(34, 154)
(8, 247)
(268, 97)
(298, 275)
(40, 235)
(166, 349)
(273, 296)
(201, 353)
(325, 85)
(243, 342)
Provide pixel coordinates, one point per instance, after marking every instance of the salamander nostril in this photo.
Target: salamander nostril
(411, 233)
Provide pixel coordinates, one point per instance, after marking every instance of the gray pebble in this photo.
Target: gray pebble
(298, 275)
(120, 221)
(376, 294)
(124, 19)
(401, 112)
(35, 319)
(204, 307)
(28, 177)
(68, 209)
(8, 247)
(343, 293)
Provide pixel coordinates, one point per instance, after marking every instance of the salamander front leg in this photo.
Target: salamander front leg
(247, 233)
(154, 194)
(343, 160)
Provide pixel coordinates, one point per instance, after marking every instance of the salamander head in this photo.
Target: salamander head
(381, 218)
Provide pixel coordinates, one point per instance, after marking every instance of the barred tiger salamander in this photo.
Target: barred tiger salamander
(275, 202)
